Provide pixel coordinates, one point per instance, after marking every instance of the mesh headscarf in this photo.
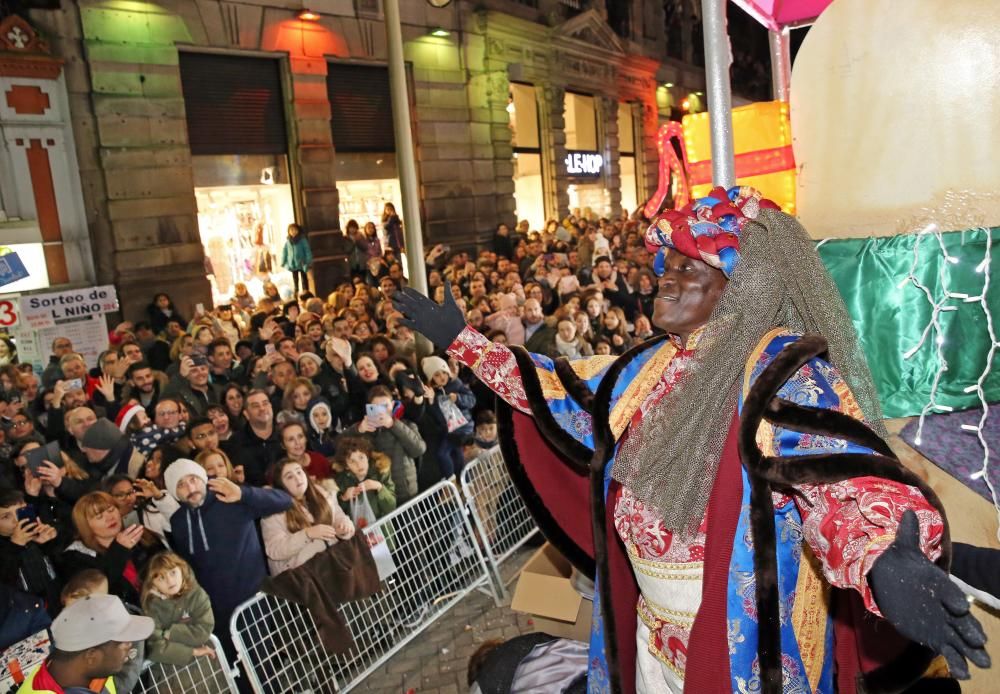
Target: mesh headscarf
(670, 459)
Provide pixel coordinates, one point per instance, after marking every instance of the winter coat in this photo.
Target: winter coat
(195, 401)
(220, 542)
(286, 549)
(402, 444)
(30, 569)
(121, 565)
(434, 431)
(465, 401)
(297, 254)
(382, 502)
(394, 233)
(22, 615)
(182, 624)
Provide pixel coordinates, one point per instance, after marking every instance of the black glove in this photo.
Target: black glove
(919, 599)
(439, 324)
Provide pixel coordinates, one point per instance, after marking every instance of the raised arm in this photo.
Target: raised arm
(445, 327)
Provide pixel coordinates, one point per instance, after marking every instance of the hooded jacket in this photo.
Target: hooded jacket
(221, 543)
(402, 443)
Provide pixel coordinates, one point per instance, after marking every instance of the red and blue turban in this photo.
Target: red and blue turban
(706, 229)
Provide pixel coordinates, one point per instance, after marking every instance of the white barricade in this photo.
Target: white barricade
(435, 562)
(203, 675)
(501, 518)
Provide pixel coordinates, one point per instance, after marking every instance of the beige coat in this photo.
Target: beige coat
(286, 550)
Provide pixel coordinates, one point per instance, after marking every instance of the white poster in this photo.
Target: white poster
(35, 320)
(58, 308)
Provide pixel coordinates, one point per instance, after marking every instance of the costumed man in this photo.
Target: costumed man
(728, 483)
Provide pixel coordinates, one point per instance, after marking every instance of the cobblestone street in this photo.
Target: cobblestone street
(435, 662)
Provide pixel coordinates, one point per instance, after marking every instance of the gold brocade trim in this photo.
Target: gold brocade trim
(552, 387)
(654, 628)
(637, 391)
(755, 355)
(675, 617)
(765, 430)
(679, 566)
(810, 614)
(591, 366)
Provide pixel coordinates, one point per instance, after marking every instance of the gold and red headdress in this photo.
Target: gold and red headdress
(708, 228)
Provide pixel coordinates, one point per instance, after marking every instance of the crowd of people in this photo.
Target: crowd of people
(199, 454)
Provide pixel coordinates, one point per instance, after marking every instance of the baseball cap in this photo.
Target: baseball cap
(93, 621)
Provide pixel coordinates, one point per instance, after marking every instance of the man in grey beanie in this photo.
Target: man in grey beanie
(107, 451)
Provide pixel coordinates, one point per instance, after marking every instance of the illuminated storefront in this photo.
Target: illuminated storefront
(626, 158)
(364, 142)
(585, 165)
(239, 147)
(529, 198)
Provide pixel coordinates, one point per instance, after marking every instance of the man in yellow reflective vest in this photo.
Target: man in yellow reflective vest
(91, 641)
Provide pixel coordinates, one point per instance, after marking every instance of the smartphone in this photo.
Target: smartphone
(74, 383)
(199, 309)
(27, 512)
(269, 349)
(198, 359)
(36, 456)
(372, 412)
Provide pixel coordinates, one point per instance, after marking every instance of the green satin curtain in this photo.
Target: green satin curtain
(890, 318)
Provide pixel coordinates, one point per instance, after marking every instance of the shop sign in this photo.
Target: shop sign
(584, 164)
(49, 310)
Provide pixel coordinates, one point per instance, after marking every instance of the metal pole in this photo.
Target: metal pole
(720, 118)
(405, 160)
(781, 64)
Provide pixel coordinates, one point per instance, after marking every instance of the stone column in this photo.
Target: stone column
(608, 109)
(552, 126)
(313, 160)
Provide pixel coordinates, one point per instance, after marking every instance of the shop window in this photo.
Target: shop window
(626, 157)
(236, 127)
(244, 209)
(585, 165)
(523, 110)
(529, 200)
(364, 142)
(580, 122)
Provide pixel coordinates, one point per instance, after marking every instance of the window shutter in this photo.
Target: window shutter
(360, 108)
(234, 104)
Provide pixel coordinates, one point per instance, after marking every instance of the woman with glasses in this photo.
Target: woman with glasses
(141, 502)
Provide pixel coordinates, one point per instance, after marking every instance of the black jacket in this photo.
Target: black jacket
(256, 454)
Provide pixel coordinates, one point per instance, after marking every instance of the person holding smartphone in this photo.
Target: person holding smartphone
(27, 546)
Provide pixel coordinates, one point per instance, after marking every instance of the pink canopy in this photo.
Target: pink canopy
(776, 14)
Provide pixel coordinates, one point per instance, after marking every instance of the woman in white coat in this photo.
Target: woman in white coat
(314, 522)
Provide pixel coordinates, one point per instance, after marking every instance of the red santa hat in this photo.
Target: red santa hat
(126, 414)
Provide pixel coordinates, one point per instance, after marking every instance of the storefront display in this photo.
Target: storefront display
(529, 199)
(366, 181)
(243, 221)
(585, 166)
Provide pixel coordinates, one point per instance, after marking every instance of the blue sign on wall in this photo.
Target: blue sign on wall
(11, 269)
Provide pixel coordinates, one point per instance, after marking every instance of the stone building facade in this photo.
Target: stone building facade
(122, 76)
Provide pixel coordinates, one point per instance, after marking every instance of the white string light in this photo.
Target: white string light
(942, 305)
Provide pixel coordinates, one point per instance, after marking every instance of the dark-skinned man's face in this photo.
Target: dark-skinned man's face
(687, 294)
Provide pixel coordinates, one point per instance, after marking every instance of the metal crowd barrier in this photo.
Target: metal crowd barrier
(433, 562)
(203, 675)
(501, 518)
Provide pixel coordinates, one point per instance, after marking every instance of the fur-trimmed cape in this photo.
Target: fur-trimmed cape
(565, 492)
